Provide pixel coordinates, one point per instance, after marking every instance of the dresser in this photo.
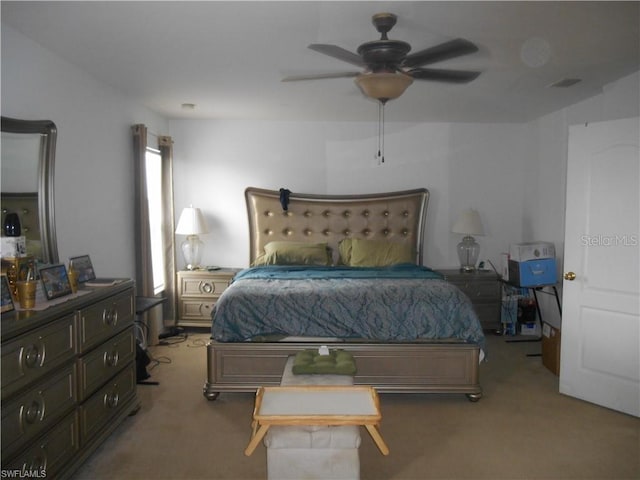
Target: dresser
(484, 290)
(198, 292)
(68, 379)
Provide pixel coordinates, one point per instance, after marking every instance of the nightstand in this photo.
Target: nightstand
(485, 291)
(198, 291)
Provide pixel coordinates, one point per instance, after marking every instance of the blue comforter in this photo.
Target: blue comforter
(399, 303)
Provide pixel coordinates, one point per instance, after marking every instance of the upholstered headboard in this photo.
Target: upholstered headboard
(395, 216)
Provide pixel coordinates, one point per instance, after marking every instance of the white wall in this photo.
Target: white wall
(544, 205)
(462, 165)
(94, 186)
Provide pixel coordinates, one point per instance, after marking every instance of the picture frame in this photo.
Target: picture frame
(83, 267)
(6, 300)
(55, 281)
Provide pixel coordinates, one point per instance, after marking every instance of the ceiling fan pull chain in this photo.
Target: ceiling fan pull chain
(380, 155)
(382, 109)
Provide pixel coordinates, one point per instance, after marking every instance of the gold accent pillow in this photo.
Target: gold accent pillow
(294, 253)
(379, 253)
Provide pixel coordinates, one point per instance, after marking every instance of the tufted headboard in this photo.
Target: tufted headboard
(396, 216)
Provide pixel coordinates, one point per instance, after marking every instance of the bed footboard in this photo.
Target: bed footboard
(439, 367)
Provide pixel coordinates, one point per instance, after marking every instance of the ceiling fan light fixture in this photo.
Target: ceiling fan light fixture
(383, 86)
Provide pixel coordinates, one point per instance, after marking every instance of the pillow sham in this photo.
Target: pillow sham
(344, 251)
(379, 253)
(294, 253)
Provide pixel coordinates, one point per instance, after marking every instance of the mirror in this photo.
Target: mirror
(28, 155)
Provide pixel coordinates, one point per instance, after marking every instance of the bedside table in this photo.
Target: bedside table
(485, 291)
(198, 291)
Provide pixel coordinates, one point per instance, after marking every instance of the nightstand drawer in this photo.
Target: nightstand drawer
(195, 310)
(483, 289)
(479, 290)
(198, 292)
(203, 287)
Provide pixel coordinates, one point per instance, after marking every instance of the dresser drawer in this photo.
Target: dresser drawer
(51, 452)
(33, 411)
(203, 287)
(98, 366)
(104, 319)
(33, 355)
(106, 403)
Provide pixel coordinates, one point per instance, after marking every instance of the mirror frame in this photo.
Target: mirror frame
(48, 135)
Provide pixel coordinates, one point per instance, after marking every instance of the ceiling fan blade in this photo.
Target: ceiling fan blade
(439, 75)
(320, 76)
(444, 51)
(339, 53)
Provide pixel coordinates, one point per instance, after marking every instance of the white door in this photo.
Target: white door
(600, 362)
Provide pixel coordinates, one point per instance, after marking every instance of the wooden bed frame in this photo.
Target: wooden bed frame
(428, 366)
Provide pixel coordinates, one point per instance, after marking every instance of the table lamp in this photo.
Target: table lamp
(191, 224)
(468, 224)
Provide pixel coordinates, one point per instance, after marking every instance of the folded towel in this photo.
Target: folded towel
(338, 362)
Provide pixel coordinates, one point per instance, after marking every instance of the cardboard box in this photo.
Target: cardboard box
(523, 252)
(551, 348)
(533, 273)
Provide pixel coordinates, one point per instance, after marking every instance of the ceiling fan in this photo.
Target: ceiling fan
(388, 63)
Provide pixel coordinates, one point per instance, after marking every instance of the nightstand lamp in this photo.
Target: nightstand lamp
(192, 224)
(468, 224)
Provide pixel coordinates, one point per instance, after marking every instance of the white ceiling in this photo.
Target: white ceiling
(228, 57)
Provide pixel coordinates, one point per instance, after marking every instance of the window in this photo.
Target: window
(153, 167)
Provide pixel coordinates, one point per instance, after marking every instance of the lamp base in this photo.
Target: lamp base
(192, 252)
(468, 252)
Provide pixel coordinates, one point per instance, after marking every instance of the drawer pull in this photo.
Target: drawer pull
(111, 400)
(31, 356)
(110, 316)
(207, 287)
(32, 413)
(111, 359)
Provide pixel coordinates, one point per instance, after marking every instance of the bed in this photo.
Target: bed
(408, 330)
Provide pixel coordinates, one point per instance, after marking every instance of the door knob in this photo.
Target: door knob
(570, 276)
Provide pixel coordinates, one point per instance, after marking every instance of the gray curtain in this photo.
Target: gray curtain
(144, 273)
(165, 145)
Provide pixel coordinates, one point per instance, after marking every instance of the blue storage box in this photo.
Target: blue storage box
(533, 273)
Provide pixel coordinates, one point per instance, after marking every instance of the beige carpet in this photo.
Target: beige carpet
(521, 429)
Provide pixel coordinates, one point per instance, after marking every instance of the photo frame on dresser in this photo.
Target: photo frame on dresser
(6, 301)
(83, 267)
(55, 281)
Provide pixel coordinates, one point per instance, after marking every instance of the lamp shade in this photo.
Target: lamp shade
(383, 86)
(468, 223)
(191, 222)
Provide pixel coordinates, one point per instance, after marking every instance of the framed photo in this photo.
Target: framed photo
(6, 303)
(55, 281)
(83, 268)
